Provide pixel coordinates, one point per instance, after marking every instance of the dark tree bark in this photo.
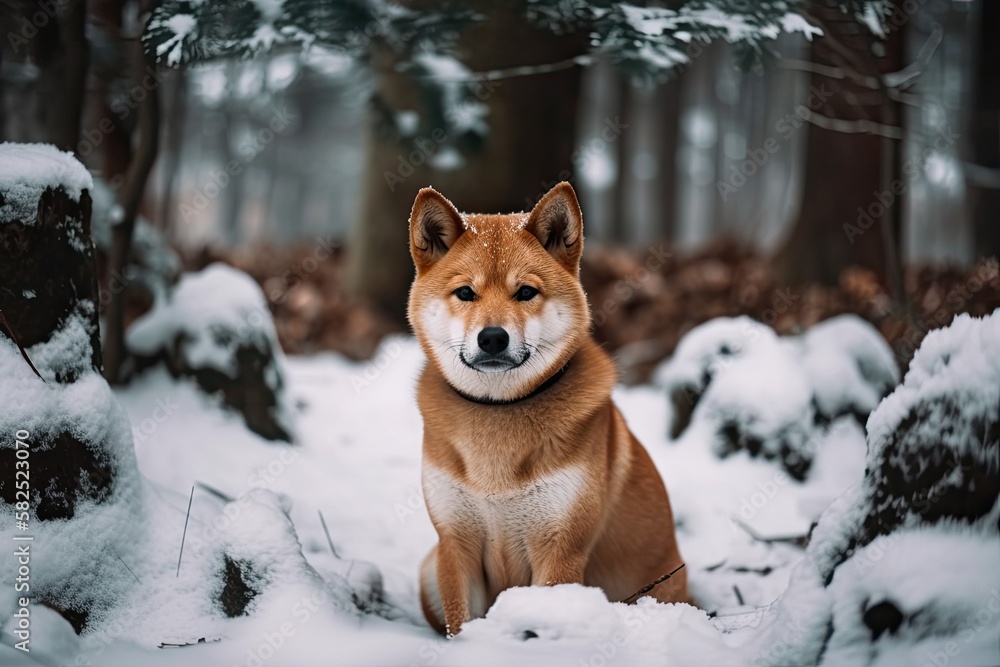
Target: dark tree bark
(174, 134)
(985, 126)
(668, 100)
(130, 198)
(841, 221)
(622, 223)
(63, 55)
(532, 121)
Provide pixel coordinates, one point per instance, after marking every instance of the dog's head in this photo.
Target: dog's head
(497, 303)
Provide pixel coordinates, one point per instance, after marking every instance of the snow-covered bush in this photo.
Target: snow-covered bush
(775, 397)
(902, 568)
(215, 326)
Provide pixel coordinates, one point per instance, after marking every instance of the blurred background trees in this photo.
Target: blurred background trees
(838, 146)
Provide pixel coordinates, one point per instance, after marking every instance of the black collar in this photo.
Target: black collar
(493, 401)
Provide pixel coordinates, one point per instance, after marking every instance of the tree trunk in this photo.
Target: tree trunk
(174, 134)
(121, 233)
(668, 100)
(623, 223)
(848, 215)
(532, 122)
(63, 56)
(985, 126)
(47, 269)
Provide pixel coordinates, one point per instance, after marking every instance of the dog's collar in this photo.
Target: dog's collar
(495, 401)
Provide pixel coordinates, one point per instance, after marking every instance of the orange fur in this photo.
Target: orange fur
(543, 490)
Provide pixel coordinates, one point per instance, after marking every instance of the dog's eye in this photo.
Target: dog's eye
(526, 293)
(465, 293)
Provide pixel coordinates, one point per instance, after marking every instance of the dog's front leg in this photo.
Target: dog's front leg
(460, 581)
(557, 560)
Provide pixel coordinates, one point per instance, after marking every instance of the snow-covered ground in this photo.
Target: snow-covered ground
(357, 463)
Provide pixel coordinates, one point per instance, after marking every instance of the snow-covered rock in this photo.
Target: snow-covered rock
(902, 567)
(775, 397)
(216, 327)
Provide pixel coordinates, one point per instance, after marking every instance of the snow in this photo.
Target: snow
(932, 605)
(357, 465)
(26, 170)
(182, 27)
(750, 390)
(76, 557)
(871, 16)
(361, 469)
(67, 351)
(215, 310)
(153, 263)
(792, 23)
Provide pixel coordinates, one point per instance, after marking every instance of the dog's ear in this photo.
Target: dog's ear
(435, 225)
(557, 223)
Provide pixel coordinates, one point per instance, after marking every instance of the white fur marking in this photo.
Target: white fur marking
(544, 335)
(514, 513)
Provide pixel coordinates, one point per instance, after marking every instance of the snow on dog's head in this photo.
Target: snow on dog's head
(497, 302)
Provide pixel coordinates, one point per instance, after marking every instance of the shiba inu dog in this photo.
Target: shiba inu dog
(530, 475)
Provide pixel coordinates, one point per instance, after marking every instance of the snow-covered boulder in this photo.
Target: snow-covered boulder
(775, 397)
(902, 569)
(215, 326)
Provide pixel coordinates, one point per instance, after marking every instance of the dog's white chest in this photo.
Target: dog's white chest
(515, 512)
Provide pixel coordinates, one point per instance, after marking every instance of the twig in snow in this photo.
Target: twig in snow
(200, 641)
(795, 540)
(184, 534)
(650, 586)
(739, 597)
(24, 353)
(327, 531)
(215, 492)
(126, 565)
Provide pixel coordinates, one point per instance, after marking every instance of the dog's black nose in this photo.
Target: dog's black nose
(493, 340)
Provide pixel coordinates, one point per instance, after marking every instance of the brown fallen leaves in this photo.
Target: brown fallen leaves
(642, 302)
